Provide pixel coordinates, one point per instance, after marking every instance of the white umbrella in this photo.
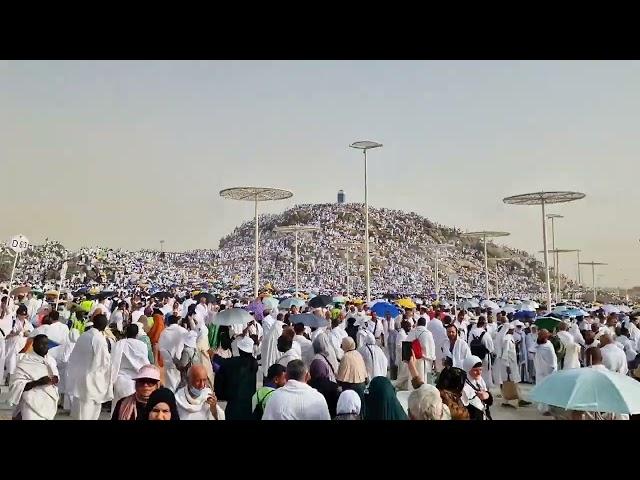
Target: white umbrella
(468, 304)
(490, 304)
(624, 309)
(526, 307)
(532, 303)
(508, 309)
(232, 316)
(610, 309)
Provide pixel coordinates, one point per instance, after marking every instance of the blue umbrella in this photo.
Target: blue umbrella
(382, 308)
(591, 390)
(309, 319)
(571, 312)
(524, 314)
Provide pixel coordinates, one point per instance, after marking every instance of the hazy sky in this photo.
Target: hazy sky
(124, 154)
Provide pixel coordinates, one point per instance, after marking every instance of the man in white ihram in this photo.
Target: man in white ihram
(296, 400)
(439, 334)
(33, 387)
(455, 350)
(427, 344)
(613, 357)
(170, 346)
(196, 401)
(545, 363)
(128, 356)
(89, 372)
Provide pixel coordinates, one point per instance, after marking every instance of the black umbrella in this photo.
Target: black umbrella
(161, 295)
(309, 319)
(106, 294)
(210, 298)
(320, 301)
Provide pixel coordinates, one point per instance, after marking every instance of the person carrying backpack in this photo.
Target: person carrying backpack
(481, 345)
(276, 378)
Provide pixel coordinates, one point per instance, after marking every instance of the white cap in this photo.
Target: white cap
(245, 344)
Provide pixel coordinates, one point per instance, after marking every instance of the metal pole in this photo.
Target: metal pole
(255, 288)
(13, 271)
(555, 257)
(579, 283)
(296, 261)
(558, 295)
(366, 228)
(593, 275)
(348, 287)
(437, 277)
(486, 269)
(546, 255)
(455, 300)
(497, 290)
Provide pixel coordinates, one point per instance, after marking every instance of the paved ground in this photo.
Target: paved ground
(498, 411)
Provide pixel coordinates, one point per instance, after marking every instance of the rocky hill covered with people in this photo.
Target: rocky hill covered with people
(402, 260)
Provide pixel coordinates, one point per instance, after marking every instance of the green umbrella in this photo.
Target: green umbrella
(548, 323)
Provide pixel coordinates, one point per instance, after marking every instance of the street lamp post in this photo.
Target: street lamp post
(161, 246)
(556, 259)
(296, 230)
(256, 194)
(542, 199)
(593, 274)
(364, 146)
(347, 247)
(556, 270)
(484, 234)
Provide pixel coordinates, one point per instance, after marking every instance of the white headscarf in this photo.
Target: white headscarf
(470, 362)
(349, 403)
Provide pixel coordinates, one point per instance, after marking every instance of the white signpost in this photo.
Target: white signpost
(18, 244)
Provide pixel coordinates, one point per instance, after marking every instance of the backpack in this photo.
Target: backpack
(259, 410)
(417, 348)
(477, 347)
(558, 346)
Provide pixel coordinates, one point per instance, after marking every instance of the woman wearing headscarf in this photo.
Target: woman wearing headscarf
(381, 403)
(324, 353)
(475, 394)
(319, 372)
(352, 374)
(349, 406)
(161, 406)
(451, 383)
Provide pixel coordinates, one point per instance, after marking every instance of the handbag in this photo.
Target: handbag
(510, 390)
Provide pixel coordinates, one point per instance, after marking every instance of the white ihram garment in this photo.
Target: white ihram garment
(89, 375)
(39, 403)
(170, 345)
(545, 363)
(127, 357)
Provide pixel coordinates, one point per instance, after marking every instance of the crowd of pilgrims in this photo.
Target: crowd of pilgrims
(166, 358)
(401, 259)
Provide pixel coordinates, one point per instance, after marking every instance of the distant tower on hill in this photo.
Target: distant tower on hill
(341, 196)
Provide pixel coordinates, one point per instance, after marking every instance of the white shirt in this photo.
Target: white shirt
(289, 355)
(267, 323)
(296, 401)
(614, 359)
